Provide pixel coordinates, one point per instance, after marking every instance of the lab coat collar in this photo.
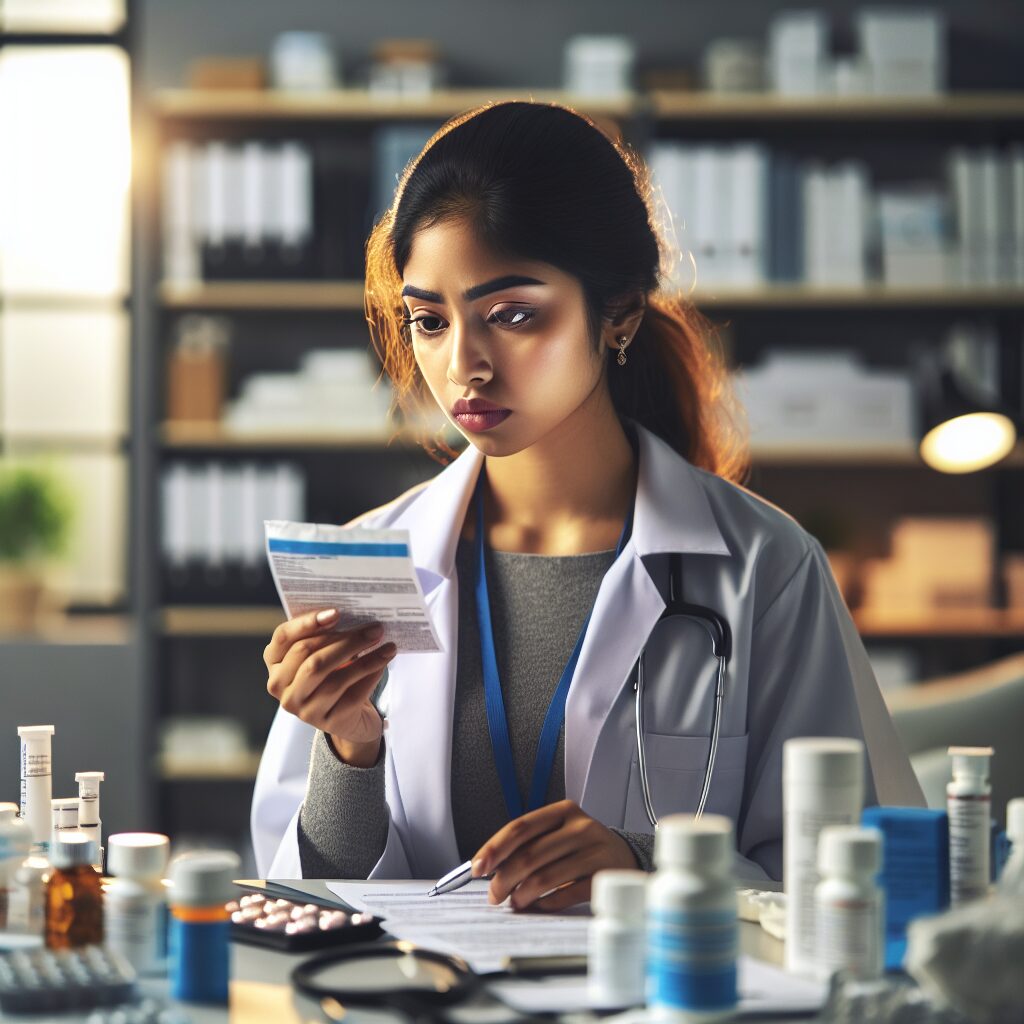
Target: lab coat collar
(671, 514)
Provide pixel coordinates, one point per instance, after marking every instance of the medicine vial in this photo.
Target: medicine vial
(692, 925)
(15, 844)
(616, 951)
(849, 904)
(89, 811)
(26, 912)
(822, 785)
(74, 895)
(63, 817)
(201, 885)
(969, 806)
(135, 906)
(37, 781)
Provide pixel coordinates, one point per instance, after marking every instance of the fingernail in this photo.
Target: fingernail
(388, 651)
(374, 631)
(326, 615)
(478, 868)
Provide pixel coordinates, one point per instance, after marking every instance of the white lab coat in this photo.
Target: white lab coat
(798, 668)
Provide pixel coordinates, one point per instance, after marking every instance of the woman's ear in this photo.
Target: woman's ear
(623, 321)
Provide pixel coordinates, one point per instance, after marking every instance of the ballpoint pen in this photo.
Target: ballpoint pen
(455, 879)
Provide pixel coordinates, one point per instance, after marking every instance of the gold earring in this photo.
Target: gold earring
(621, 357)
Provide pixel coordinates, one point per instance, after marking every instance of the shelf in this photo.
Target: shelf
(866, 456)
(113, 630)
(200, 620)
(341, 296)
(264, 295)
(672, 105)
(869, 297)
(944, 622)
(192, 621)
(214, 436)
(361, 105)
(965, 106)
(902, 456)
(241, 769)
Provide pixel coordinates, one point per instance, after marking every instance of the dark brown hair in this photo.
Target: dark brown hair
(539, 181)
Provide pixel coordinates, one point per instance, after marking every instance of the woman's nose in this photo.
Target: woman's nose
(468, 360)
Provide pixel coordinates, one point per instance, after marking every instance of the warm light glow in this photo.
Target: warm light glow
(64, 171)
(969, 443)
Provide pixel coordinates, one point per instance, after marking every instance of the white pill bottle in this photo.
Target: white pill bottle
(849, 905)
(692, 926)
(969, 806)
(822, 785)
(616, 939)
(135, 904)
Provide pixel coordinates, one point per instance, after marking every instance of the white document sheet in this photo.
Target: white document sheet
(367, 575)
(465, 924)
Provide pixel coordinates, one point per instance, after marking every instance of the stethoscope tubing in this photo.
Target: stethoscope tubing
(716, 721)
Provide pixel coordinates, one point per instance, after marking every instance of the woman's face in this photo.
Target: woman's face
(510, 336)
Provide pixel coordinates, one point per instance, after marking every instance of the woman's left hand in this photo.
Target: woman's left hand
(544, 860)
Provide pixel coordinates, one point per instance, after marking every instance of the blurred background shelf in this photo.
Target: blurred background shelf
(203, 436)
(361, 105)
(261, 295)
(965, 106)
(676, 105)
(937, 623)
(239, 769)
(200, 621)
(338, 296)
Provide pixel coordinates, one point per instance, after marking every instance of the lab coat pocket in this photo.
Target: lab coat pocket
(675, 773)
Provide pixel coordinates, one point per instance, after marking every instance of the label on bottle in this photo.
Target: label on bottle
(137, 929)
(615, 966)
(849, 937)
(969, 863)
(691, 959)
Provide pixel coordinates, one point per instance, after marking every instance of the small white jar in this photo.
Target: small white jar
(616, 939)
(135, 906)
(849, 905)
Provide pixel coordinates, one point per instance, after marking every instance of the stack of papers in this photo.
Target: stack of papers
(464, 924)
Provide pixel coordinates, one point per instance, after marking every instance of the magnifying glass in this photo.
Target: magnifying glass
(418, 983)
(421, 984)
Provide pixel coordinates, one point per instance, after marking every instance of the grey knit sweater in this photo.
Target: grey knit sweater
(538, 605)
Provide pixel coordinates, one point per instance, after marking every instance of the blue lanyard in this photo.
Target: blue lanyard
(497, 722)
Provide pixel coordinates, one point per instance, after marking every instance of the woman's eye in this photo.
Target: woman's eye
(422, 320)
(528, 314)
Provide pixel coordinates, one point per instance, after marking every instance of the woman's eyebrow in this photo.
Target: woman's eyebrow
(476, 292)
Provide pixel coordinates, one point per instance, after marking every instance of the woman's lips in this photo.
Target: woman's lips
(479, 421)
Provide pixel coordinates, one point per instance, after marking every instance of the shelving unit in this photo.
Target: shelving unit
(342, 296)
(188, 637)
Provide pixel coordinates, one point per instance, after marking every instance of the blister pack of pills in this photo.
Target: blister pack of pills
(44, 980)
(296, 927)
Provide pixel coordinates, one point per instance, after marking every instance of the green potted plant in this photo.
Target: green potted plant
(35, 519)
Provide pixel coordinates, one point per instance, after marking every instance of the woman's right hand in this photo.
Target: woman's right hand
(324, 677)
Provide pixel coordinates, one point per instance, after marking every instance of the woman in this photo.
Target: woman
(515, 279)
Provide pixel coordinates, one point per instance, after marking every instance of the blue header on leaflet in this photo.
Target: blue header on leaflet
(315, 547)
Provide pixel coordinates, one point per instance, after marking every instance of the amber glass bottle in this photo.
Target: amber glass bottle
(74, 896)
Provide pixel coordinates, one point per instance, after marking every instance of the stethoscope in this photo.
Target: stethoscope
(717, 628)
(714, 624)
